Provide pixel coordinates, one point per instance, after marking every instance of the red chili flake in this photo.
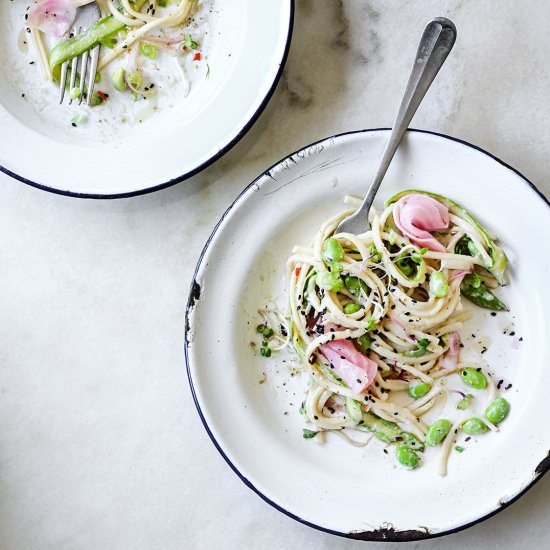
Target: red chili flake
(297, 271)
(197, 57)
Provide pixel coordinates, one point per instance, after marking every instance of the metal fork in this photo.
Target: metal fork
(86, 16)
(437, 41)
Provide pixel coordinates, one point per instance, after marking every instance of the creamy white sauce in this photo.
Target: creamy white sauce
(175, 76)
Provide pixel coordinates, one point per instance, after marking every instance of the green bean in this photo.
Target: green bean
(356, 286)
(332, 251)
(351, 308)
(474, 289)
(407, 457)
(390, 432)
(330, 281)
(437, 432)
(418, 389)
(474, 426)
(473, 378)
(74, 46)
(497, 411)
(438, 284)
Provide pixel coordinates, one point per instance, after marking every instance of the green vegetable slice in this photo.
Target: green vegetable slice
(474, 289)
(93, 35)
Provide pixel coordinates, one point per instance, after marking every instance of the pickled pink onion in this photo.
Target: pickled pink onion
(354, 368)
(415, 215)
(54, 17)
(450, 360)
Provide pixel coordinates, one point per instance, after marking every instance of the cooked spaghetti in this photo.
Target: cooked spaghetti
(375, 317)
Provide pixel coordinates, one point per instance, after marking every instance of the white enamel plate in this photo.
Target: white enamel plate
(124, 147)
(249, 404)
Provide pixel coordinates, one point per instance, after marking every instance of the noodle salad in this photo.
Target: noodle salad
(374, 320)
(136, 29)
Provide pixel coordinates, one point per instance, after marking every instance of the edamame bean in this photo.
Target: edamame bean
(332, 251)
(497, 411)
(418, 389)
(118, 80)
(330, 281)
(355, 285)
(474, 426)
(407, 457)
(438, 284)
(351, 308)
(437, 432)
(473, 378)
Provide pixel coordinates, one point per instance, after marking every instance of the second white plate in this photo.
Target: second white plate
(248, 44)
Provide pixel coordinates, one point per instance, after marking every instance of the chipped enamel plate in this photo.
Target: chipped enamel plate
(125, 148)
(249, 405)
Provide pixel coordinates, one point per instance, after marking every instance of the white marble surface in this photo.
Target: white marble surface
(100, 444)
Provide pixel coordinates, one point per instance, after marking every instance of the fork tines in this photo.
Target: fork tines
(86, 64)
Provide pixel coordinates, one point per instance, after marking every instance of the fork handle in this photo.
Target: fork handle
(437, 41)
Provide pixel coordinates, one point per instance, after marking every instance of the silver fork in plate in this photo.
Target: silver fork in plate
(86, 16)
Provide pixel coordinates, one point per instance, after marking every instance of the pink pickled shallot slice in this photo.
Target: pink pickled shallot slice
(402, 326)
(458, 274)
(55, 17)
(415, 215)
(450, 360)
(354, 368)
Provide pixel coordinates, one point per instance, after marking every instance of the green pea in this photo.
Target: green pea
(330, 281)
(438, 284)
(437, 432)
(355, 285)
(407, 457)
(332, 251)
(118, 81)
(418, 389)
(473, 378)
(497, 411)
(351, 308)
(474, 426)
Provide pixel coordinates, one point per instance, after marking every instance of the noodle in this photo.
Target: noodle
(377, 286)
